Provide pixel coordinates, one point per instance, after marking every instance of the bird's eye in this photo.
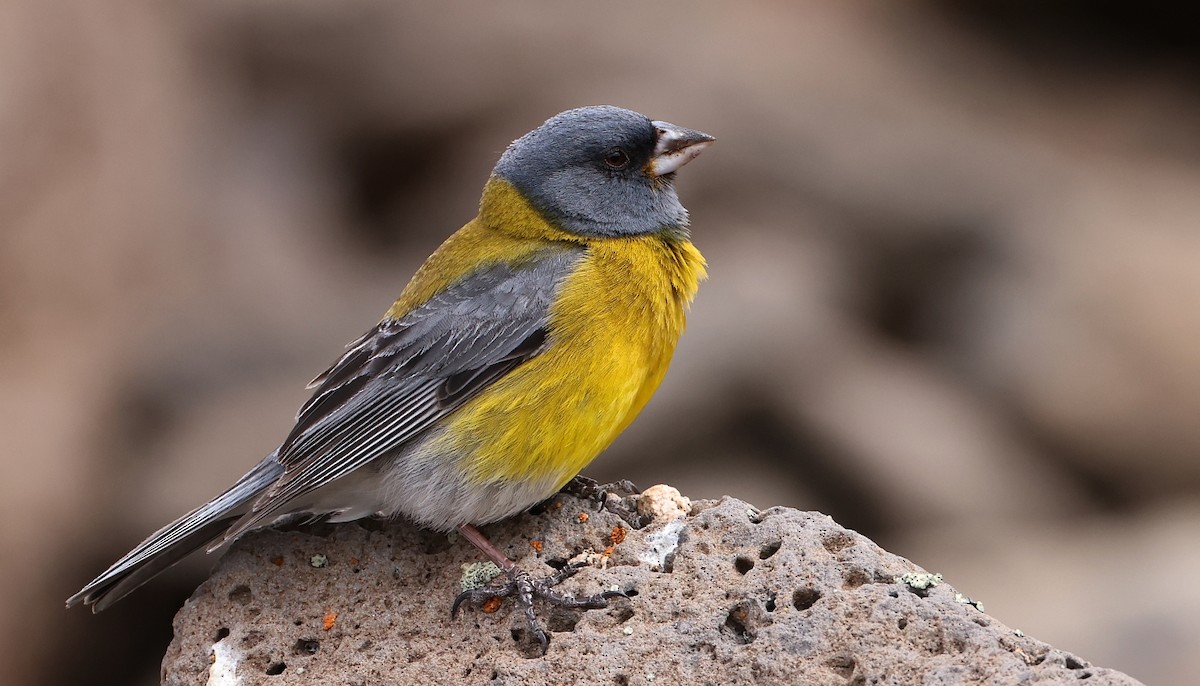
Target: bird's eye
(616, 158)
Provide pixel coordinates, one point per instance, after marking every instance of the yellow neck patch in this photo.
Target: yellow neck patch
(509, 230)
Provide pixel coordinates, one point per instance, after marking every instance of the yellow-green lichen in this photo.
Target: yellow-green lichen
(476, 574)
(919, 581)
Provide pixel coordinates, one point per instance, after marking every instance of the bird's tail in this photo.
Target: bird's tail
(173, 542)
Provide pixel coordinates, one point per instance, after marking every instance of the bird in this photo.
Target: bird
(518, 351)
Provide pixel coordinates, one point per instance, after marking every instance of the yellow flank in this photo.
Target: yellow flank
(613, 330)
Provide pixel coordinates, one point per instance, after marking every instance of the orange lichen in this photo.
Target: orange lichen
(491, 605)
(583, 517)
(328, 620)
(277, 561)
(537, 545)
(618, 534)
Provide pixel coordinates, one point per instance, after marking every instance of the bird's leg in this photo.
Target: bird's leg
(525, 588)
(589, 489)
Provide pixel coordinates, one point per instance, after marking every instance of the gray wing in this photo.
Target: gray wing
(402, 376)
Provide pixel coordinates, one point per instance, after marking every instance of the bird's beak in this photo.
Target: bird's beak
(676, 146)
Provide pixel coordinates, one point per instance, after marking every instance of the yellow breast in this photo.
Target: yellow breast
(613, 331)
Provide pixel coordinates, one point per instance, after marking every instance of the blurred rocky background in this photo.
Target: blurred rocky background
(954, 297)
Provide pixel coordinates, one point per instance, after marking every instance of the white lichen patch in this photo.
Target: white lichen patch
(960, 598)
(661, 544)
(663, 502)
(225, 659)
(590, 558)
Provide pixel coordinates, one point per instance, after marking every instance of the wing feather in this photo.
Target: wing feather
(404, 375)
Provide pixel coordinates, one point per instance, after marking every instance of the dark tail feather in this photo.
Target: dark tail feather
(176, 540)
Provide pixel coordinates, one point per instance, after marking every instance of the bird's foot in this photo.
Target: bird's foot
(524, 588)
(590, 489)
(607, 497)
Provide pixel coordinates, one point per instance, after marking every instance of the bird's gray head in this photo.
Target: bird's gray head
(603, 171)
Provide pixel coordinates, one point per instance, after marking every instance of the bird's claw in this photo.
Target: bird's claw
(589, 489)
(524, 588)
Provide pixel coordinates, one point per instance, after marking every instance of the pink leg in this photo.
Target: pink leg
(477, 539)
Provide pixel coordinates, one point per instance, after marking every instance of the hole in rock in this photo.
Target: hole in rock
(306, 646)
(241, 594)
(837, 542)
(842, 665)
(561, 620)
(804, 598)
(735, 624)
(855, 577)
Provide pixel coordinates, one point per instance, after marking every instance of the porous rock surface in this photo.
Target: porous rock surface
(727, 594)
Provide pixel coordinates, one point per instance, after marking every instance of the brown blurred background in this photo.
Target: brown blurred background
(954, 296)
